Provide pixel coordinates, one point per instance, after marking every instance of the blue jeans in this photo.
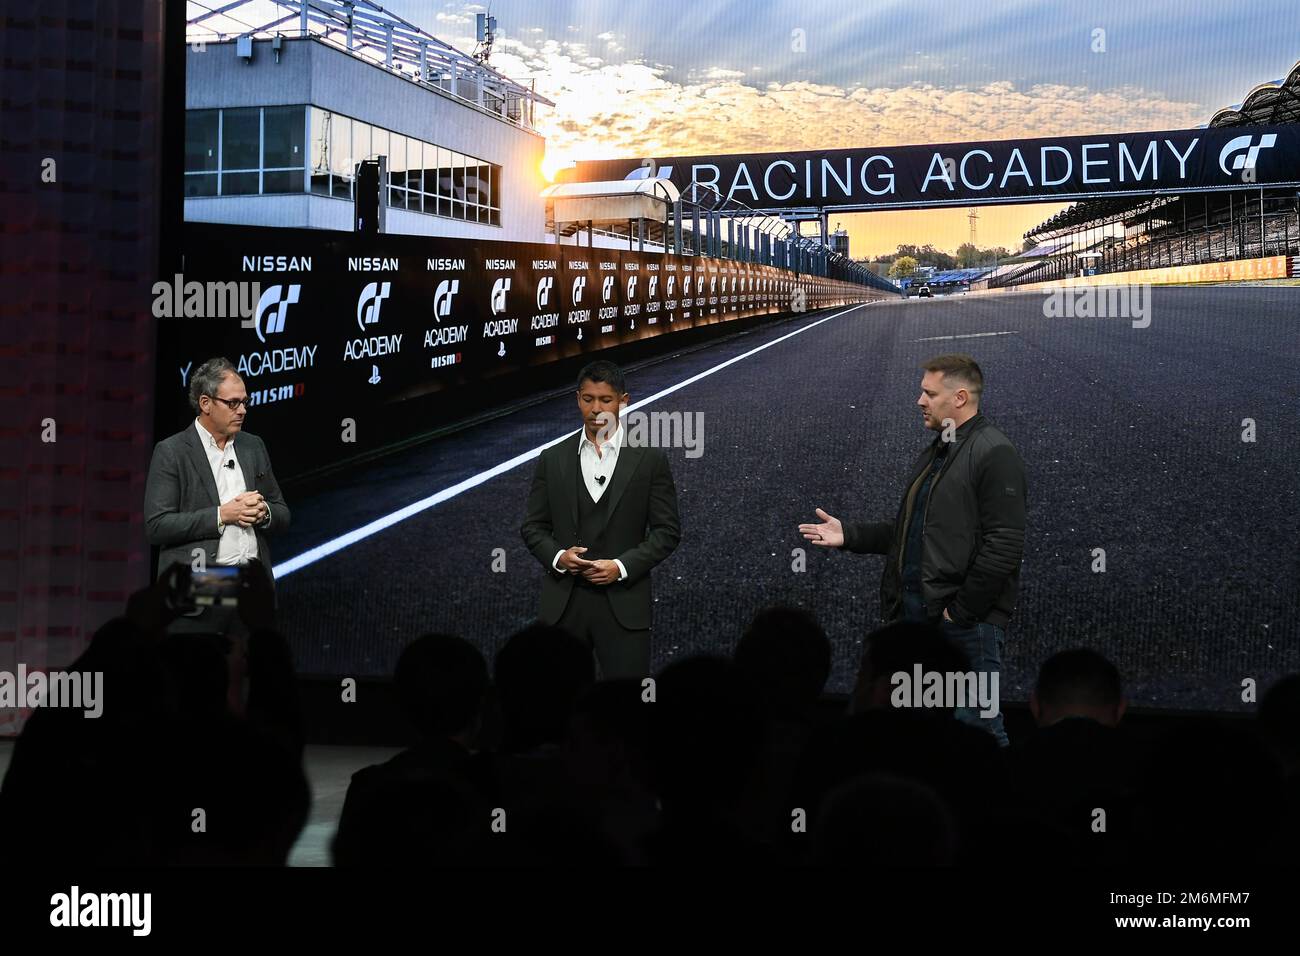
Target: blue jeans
(982, 643)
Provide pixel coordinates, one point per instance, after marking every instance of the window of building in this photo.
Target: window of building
(294, 149)
(245, 151)
(201, 141)
(397, 171)
(341, 165)
(321, 123)
(241, 132)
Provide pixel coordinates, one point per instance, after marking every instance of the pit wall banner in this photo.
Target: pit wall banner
(345, 324)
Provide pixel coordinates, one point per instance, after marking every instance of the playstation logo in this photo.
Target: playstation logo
(580, 333)
(501, 351)
(273, 305)
(370, 302)
(374, 375)
(442, 297)
(544, 291)
(499, 290)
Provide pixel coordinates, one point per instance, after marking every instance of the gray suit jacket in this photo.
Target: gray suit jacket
(180, 497)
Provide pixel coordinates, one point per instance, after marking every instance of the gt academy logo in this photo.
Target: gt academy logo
(544, 286)
(443, 296)
(607, 289)
(654, 286)
(579, 284)
(273, 306)
(370, 302)
(631, 287)
(713, 284)
(671, 282)
(1248, 148)
(686, 284)
(499, 290)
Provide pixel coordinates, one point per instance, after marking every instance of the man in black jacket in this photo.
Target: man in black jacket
(602, 512)
(955, 547)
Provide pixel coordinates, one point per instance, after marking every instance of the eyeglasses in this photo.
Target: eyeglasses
(231, 403)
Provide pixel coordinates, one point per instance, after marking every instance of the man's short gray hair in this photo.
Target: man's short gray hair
(207, 378)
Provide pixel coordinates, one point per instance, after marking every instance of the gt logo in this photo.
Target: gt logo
(446, 291)
(499, 290)
(1248, 149)
(544, 286)
(273, 306)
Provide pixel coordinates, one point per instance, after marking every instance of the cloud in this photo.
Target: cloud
(718, 114)
(718, 73)
(609, 109)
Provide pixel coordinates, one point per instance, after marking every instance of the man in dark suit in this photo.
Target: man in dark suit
(204, 496)
(602, 513)
(955, 546)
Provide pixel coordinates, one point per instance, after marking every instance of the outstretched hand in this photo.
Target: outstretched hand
(828, 534)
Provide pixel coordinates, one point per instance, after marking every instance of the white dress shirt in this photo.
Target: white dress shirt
(237, 545)
(595, 465)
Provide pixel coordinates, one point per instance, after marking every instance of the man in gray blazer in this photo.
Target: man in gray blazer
(601, 514)
(210, 489)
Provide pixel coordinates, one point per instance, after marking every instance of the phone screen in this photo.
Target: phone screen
(215, 587)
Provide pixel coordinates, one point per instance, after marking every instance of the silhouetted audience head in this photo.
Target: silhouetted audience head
(199, 673)
(1212, 793)
(540, 674)
(784, 653)
(706, 734)
(881, 820)
(610, 734)
(232, 795)
(441, 682)
(1078, 683)
(899, 648)
(1279, 719)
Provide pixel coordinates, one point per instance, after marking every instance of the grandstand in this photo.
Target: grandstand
(949, 280)
(1123, 234)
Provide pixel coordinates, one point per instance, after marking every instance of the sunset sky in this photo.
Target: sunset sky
(634, 79)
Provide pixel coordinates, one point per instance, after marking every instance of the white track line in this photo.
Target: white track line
(969, 335)
(311, 556)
